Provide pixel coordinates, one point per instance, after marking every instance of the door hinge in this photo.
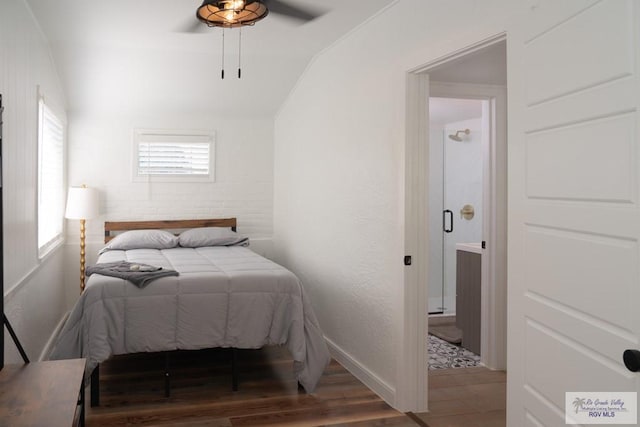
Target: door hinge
(484, 245)
(407, 260)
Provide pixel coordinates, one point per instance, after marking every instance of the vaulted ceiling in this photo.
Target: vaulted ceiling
(133, 56)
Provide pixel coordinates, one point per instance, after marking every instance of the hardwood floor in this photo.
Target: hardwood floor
(132, 393)
(466, 397)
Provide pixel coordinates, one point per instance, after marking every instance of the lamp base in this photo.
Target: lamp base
(82, 253)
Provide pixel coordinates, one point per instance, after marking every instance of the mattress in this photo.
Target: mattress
(223, 297)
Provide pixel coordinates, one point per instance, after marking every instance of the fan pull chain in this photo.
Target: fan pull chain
(222, 74)
(240, 54)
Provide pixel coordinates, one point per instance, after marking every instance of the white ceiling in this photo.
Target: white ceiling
(129, 56)
(486, 66)
(443, 111)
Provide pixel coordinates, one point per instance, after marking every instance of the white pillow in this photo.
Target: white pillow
(211, 236)
(142, 239)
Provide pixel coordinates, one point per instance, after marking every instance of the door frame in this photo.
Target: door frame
(412, 364)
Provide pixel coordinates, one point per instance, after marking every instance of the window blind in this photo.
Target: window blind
(51, 191)
(173, 158)
(168, 154)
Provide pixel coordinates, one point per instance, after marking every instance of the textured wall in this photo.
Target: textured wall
(34, 292)
(339, 172)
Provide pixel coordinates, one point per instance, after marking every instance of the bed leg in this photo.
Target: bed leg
(167, 377)
(234, 369)
(95, 386)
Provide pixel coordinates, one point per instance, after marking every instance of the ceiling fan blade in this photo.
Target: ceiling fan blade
(297, 12)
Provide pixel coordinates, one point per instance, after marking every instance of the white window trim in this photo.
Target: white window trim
(139, 134)
(57, 240)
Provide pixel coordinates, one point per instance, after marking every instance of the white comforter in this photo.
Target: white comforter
(223, 297)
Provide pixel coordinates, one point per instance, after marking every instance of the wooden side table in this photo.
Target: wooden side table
(47, 393)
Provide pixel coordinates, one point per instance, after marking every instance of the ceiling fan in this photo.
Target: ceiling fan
(239, 13)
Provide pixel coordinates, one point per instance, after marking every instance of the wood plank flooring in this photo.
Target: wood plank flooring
(466, 397)
(132, 393)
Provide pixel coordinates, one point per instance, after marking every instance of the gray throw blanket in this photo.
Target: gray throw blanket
(138, 274)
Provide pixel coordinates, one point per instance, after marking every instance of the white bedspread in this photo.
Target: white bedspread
(223, 297)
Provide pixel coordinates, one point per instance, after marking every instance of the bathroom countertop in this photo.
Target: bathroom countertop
(470, 247)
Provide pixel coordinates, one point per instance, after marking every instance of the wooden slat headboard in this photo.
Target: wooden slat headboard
(111, 226)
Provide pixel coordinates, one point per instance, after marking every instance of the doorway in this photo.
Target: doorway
(458, 138)
(467, 148)
(469, 93)
(475, 73)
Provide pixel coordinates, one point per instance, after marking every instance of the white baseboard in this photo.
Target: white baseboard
(54, 336)
(371, 380)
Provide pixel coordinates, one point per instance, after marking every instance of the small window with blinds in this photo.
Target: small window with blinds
(173, 156)
(51, 186)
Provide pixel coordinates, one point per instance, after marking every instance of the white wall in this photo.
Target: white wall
(100, 156)
(34, 292)
(339, 174)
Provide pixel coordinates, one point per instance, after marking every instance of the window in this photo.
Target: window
(176, 156)
(51, 191)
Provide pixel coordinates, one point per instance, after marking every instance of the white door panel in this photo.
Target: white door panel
(549, 14)
(600, 101)
(574, 219)
(560, 60)
(582, 167)
(571, 361)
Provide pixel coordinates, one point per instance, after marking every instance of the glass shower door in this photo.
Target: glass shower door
(450, 222)
(436, 304)
(442, 228)
(452, 181)
(455, 174)
(462, 198)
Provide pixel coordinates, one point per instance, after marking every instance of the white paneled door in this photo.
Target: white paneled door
(574, 194)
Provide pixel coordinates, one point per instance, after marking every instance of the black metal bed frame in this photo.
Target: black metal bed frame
(95, 376)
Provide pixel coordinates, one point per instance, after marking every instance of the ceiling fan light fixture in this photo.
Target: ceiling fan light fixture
(231, 13)
(234, 5)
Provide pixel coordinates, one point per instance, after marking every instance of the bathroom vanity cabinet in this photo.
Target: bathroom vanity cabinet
(468, 286)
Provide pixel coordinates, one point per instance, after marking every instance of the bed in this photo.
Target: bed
(224, 296)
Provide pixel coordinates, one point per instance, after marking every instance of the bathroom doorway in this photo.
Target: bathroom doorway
(458, 139)
(466, 206)
(474, 72)
(466, 169)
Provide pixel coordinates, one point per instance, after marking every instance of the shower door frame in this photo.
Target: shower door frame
(447, 285)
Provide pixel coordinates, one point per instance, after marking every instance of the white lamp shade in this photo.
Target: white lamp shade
(82, 203)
